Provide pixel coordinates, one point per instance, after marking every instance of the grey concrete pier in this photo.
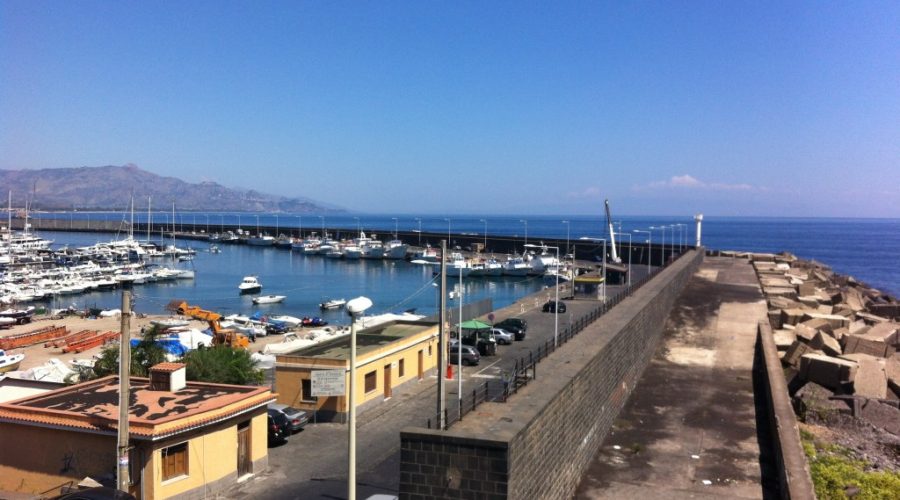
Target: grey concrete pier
(690, 429)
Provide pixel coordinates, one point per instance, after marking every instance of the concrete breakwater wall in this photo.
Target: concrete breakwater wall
(584, 250)
(537, 444)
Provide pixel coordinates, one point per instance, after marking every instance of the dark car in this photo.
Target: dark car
(98, 493)
(470, 355)
(552, 306)
(297, 418)
(279, 427)
(515, 326)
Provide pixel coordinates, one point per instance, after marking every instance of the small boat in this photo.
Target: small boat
(290, 321)
(10, 362)
(250, 285)
(314, 321)
(269, 299)
(6, 322)
(21, 316)
(332, 304)
(214, 249)
(169, 323)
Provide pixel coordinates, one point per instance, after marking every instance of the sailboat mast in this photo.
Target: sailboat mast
(149, 219)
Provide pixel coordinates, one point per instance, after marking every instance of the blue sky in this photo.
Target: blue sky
(668, 108)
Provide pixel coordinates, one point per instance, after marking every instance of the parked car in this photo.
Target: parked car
(553, 306)
(297, 418)
(482, 340)
(279, 427)
(515, 326)
(502, 336)
(470, 355)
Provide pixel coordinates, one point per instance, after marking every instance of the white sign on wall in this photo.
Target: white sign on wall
(328, 383)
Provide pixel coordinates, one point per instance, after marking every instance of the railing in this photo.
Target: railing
(525, 368)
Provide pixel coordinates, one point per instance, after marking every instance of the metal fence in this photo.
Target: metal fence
(525, 368)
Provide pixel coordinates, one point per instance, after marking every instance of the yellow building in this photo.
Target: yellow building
(387, 355)
(188, 439)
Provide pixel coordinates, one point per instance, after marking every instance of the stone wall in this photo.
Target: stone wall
(538, 444)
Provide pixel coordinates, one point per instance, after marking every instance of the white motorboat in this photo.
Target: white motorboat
(250, 285)
(332, 304)
(269, 299)
(290, 343)
(170, 323)
(290, 321)
(10, 362)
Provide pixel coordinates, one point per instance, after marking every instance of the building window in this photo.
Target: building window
(306, 391)
(370, 381)
(175, 461)
(400, 370)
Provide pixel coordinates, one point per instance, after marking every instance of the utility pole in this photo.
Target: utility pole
(122, 479)
(442, 342)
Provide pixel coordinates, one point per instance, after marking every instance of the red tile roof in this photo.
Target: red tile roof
(167, 367)
(152, 414)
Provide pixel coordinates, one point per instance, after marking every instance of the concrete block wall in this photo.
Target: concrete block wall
(538, 444)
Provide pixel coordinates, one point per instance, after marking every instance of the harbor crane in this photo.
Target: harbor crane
(612, 235)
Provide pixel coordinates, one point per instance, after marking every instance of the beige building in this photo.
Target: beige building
(387, 355)
(188, 439)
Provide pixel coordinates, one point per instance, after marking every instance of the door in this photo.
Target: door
(244, 465)
(421, 364)
(387, 381)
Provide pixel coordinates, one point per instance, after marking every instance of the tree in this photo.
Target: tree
(144, 354)
(222, 365)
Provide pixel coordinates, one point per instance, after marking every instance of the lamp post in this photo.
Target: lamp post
(448, 232)
(300, 227)
(395, 226)
(649, 247)
(556, 305)
(680, 237)
(355, 308)
(419, 220)
(662, 259)
(526, 230)
(485, 235)
(568, 226)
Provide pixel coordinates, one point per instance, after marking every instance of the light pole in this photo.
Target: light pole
(568, 226)
(357, 226)
(395, 226)
(300, 227)
(629, 254)
(662, 259)
(556, 305)
(649, 247)
(419, 220)
(680, 237)
(355, 308)
(448, 232)
(485, 235)
(526, 230)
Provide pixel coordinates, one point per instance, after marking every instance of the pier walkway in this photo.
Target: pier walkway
(690, 428)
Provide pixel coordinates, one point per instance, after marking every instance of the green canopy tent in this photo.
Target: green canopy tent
(474, 324)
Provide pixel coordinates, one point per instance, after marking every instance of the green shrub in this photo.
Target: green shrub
(834, 469)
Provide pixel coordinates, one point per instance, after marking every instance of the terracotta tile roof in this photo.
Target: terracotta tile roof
(152, 414)
(167, 367)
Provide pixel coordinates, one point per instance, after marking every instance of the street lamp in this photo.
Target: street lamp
(485, 234)
(355, 308)
(526, 230)
(680, 237)
(556, 305)
(419, 220)
(395, 226)
(649, 247)
(662, 259)
(567, 235)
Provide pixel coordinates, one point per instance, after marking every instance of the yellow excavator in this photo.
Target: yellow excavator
(220, 336)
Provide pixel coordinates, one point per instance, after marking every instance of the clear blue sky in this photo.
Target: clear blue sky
(670, 108)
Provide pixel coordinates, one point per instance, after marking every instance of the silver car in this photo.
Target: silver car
(502, 336)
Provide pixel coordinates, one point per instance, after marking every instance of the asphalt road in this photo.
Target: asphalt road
(313, 463)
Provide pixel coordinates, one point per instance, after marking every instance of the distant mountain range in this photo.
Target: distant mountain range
(110, 188)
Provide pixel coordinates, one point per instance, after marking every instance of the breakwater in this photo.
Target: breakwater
(587, 250)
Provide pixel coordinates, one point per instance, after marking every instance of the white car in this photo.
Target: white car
(502, 336)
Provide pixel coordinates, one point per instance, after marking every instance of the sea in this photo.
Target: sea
(867, 249)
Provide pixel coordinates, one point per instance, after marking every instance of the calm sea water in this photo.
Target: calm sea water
(868, 249)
